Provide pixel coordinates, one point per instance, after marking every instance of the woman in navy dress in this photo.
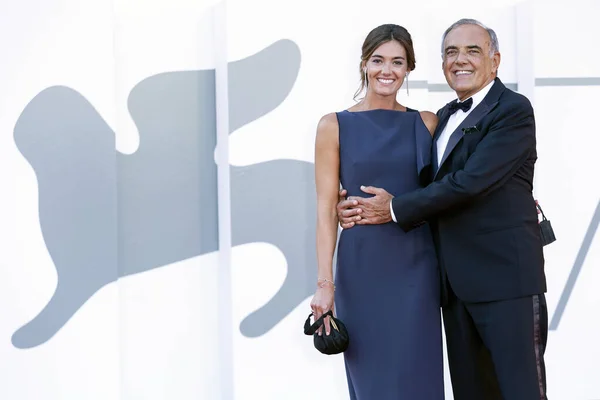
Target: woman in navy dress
(387, 281)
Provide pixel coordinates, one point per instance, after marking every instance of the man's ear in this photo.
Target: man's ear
(496, 62)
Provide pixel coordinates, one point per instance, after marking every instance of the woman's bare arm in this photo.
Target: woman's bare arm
(327, 172)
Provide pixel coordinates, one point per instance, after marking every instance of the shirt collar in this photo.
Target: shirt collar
(479, 96)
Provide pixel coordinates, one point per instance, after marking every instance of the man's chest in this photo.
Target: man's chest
(444, 137)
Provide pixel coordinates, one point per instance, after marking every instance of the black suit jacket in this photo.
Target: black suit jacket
(480, 203)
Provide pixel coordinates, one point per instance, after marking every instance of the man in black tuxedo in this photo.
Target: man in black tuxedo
(484, 221)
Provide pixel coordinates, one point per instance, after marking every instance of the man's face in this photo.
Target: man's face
(467, 64)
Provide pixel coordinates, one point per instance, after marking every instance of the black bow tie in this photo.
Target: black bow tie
(455, 106)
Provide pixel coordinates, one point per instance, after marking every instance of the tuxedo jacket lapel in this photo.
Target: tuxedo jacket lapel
(488, 103)
(471, 120)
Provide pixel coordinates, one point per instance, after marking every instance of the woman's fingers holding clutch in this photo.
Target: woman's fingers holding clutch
(327, 324)
(316, 309)
(320, 304)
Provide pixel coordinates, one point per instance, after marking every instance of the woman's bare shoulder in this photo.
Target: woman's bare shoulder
(430, 120)
(328, 125)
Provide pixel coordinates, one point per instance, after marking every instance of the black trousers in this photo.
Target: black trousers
(496, 349)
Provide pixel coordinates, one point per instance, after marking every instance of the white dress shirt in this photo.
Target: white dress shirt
(453, 122)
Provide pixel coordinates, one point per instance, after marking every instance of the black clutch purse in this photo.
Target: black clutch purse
(334, 343)
(546, 230)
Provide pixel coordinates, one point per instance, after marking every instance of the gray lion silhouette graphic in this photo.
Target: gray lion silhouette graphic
(106, 215)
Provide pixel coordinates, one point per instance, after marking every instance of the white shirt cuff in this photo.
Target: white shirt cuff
(392, 212)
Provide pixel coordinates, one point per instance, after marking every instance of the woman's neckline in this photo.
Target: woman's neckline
(378, 109)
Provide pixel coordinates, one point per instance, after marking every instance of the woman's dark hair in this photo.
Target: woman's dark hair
(377, 37)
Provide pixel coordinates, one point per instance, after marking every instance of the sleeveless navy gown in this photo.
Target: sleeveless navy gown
(388, 289)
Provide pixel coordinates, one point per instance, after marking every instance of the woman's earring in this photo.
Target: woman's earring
(366, 79)
(406, 84)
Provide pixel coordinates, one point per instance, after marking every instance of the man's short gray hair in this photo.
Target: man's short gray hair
(494, 46)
